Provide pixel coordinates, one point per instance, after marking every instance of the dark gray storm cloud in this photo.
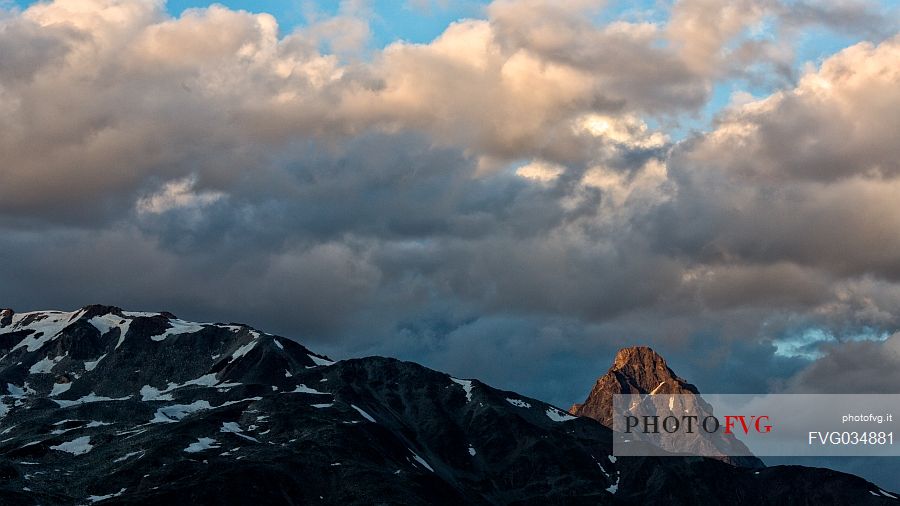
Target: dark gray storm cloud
(853, 367)
(496, 203)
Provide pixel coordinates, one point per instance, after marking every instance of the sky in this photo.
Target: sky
(506, 190)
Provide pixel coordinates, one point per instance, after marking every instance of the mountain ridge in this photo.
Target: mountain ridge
(107, 406)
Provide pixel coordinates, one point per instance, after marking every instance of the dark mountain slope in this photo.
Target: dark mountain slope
(111, 407)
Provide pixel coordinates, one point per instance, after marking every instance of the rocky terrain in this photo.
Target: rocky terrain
(635, 370)
(105, 406)
(640, 370)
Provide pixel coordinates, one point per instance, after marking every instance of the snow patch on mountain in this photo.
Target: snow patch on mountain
(202, 444)
(90, 366)
(44, 366)
(98, 498)
(91, 397)
(559, 416)
(59, 388)
(127, 456)
(612, 489)
(519, 403)
(44, 327)
(107, 322)
(889, 496)
(363, 413)
(243, 350)
(420, 460)
(178, 327)
(176, 412)
(235, 428)
(466, 386)
(149, 393)
(319, 360)
(78, 446)
(18, 392)
(303, 389)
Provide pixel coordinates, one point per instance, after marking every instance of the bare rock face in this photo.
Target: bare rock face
(6, 317)
(635, 370)
(640, 370)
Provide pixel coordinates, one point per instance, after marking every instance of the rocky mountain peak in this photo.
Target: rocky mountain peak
(93, 310)
(641, 370)
(638, 355)
(6, 317)
(635, 370)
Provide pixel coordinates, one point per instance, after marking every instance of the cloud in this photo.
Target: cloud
(174, 195)
(702, 29)
(853, 368)
(540, 171)
(848, 16)
(806, 176)
(345, 34)
(756, 39)
(837, 123)
(508, 186)
(217, 95)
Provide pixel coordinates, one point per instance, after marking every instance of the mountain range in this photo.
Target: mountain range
(106, 406)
